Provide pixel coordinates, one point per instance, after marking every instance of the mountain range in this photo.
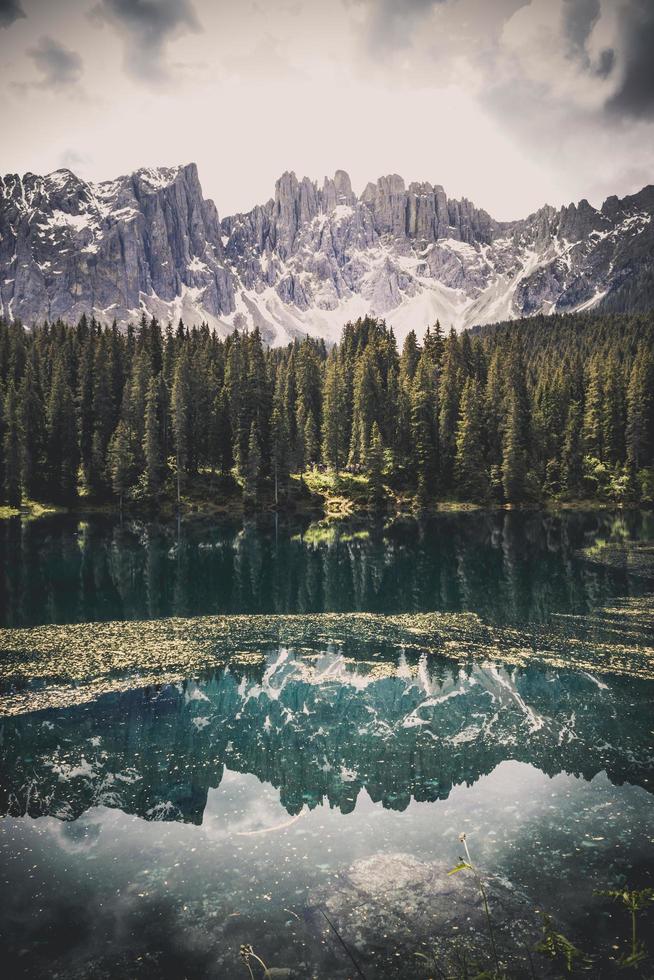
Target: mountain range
(310, 258)
(321, 730)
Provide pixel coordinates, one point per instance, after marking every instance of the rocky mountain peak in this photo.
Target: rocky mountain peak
(311, 257)
(337, 191)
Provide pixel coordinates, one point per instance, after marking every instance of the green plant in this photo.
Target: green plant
(634, 901)
(557, 946)
(467, 865)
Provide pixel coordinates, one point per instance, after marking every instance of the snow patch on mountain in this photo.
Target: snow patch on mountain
(309, 259)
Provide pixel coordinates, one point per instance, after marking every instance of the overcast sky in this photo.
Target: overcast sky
(512, 103)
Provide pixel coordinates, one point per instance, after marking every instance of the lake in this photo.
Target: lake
(275, 734)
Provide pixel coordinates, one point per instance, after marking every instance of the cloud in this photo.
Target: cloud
(579, 18)
(392, 22)
(634, 96)
(59, 66)
(72, 159)
(147, 26)
(10, 10)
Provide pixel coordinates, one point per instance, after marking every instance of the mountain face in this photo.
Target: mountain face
(310, 258)
(321, 730)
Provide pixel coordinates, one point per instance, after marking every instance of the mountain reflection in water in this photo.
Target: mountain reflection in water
(322, 729)
(209, 735)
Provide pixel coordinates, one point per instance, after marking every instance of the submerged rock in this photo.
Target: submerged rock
(392, 910)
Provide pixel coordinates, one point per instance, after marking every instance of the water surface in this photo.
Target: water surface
(212, 735)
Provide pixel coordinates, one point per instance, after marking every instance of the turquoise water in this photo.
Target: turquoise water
(223, 753)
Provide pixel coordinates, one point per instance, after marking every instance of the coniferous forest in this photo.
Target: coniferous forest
(558, 407)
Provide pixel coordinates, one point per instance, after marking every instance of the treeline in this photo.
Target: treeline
(546, 407)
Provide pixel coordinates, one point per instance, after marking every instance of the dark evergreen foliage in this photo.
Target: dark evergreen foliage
(514, 412)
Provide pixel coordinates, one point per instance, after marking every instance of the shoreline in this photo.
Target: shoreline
(321, 509)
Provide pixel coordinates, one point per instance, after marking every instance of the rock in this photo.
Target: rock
(390, 906)
(151, 241)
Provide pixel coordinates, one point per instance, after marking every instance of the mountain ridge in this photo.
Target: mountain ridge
(312, 256)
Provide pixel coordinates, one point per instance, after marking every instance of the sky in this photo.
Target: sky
(511, 103)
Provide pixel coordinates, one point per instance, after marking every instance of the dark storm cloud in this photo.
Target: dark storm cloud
(147, 25)
(605, 64)
(59, 66)
(634, 96)
(392, 21)
(10, 10)
(579, 18)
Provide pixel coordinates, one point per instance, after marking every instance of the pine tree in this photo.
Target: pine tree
(220, 434)
(153, 450)
(279, 446)
(333, 442)
(181, 413)
(494, 409)
(133, 407)
(120, 461)
(613, 414)
(410, 357)
(366, 406)
(449, 394)
(433, 344)
(514, 457)
(2, 429)
(106, 384)
(375, 467)
(309, 391)
(33, 425)
(424, 429)
(258, 397)
(12, 440)
(85, 407)
(593, 412)
(470, 466)
(62, 448)
(235, 385)
(253, 471)
(572, 459)
(640, 410)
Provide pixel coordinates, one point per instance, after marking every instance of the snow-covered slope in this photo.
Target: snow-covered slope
(311, 257)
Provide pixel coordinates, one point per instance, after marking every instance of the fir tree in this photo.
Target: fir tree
(280, 449)
(85, 408)
(514, 457)
(640, 410)
(253, 471)
(120, 461)
(366, 406)
(470, 465)
(593, 412)
(375, 467)
(153, 448)
(220, 434)
(181, 413)
(12, 439)
(613, 414)
(309, 392)
(573, 451)
(424, 429)
(33, 426)
(333, 442)
(62, 448)
(449, 394)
